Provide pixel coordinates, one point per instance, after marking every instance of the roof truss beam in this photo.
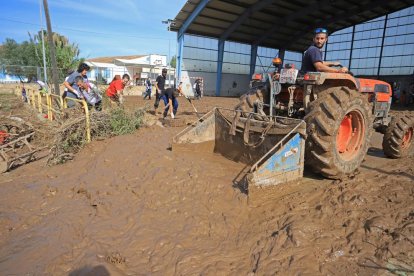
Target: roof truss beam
(282, 22)
(192, 16)
(248, 12)
(259, 5)
(344, 14)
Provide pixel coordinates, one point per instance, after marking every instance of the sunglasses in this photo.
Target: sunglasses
(321, 30)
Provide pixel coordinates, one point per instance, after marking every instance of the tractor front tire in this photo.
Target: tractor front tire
(398, 140)
(339, 128)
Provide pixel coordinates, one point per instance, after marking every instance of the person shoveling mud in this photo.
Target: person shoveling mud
(169, 97)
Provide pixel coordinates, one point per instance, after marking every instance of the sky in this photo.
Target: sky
(99, 27)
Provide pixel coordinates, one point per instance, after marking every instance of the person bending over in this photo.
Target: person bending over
(170, 101)
(72, 87)
(116, 89)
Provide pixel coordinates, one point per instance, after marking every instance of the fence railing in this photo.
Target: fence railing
(54, 106)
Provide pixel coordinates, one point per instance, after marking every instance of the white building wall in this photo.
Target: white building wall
(231, 84)
(146, 64)
(112, 71)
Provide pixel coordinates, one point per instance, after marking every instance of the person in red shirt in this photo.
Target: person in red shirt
(116, 88)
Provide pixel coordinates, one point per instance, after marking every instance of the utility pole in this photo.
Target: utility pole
(169, 63)
(52, 49)
(169, 22)
(43, 43)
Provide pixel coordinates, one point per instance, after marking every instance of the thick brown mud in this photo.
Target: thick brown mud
(131, 206)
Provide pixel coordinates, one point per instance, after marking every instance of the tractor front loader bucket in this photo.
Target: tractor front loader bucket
(273, 148)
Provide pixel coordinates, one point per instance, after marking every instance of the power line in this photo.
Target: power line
(85, 31)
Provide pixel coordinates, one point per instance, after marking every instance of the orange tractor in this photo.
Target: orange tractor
(340, 112)
(288, 120)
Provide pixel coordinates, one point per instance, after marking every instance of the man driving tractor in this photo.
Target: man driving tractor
(313, 58)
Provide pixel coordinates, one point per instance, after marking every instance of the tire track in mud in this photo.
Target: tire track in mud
(360, 225)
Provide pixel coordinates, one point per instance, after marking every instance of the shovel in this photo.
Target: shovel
(188, 99)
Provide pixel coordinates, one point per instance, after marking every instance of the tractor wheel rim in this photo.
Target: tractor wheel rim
(350, 136)
(408, 138)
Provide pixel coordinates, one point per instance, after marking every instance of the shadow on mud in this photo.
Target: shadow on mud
(192, 113)
(90, 271)
(395, 172)
(395, 269)
(240, 181)
(376, 152)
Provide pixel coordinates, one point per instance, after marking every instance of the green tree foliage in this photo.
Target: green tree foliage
(18, 59)
(173, 62)
(67, 54)
(15, 56)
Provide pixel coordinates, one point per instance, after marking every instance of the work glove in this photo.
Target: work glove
(172, 115)
(76, 92)
(121, 99)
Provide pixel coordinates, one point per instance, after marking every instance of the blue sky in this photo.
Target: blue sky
(99, 27)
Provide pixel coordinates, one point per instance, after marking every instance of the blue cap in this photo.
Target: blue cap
(321, 30)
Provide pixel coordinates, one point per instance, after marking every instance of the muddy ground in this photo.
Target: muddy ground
(129, 205)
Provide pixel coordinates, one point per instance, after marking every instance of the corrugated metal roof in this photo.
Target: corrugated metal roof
(280, 24)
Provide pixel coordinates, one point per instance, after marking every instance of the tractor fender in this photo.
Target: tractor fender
(337, 80)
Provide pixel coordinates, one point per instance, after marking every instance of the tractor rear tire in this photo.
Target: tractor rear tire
(339, 127)
(398, 141)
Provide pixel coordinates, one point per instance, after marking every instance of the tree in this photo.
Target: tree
(18, 59)
(173, 62)
(21, 59)
(67, 54)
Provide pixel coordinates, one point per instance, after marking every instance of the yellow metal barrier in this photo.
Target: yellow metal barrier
(29, 100)
(35, 100)
(41, 104)
(86, 109)
(50, 110)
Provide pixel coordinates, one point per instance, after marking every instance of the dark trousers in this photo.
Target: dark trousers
(174, 103)
(158, 96)
(147, 94)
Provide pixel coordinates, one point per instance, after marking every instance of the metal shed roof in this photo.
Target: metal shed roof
(275, 23)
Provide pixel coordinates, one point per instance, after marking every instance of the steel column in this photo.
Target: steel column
(253, 57)
(281, 55)
(180, 35)
(220, 56)
(382, 44)
(352, 47)
(180, 47)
